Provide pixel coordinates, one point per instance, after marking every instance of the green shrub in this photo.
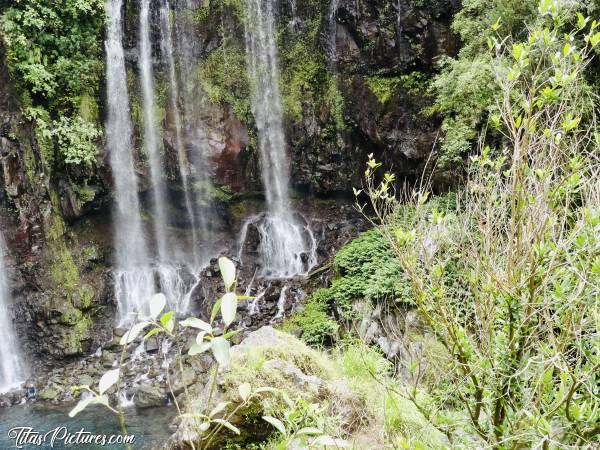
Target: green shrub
(54, 48)
(75, 139)
(223, 77)
(464, 89)
(509, 287)
(314, 321)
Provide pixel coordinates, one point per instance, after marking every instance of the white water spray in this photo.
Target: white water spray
(12, 368)
(134, 283)
(282, 242)
(150, 136)
(168, 52)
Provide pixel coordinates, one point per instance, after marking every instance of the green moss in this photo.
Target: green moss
(251, 366)
(316, 326)
(383, 88)
(64, 273)
(80, 331)
(88, 108)
(369, 373)
(223, 78)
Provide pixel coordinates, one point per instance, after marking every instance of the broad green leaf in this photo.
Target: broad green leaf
(278, 424)
(228, 425)
(200, 338)
(227, 269)
(133, 332)
(152, 332)
(328, 441)
(196, 348)
(81, 406)
(220, 349)
(194, 322)
(168, 321)
(217, 409)
(245, 390)
(107, 380)
(157, 304)
(102, 399)
(229, 306)
(215, 310)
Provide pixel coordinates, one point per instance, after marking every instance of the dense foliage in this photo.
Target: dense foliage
(522, 329)
(54, 51)
(465, 91)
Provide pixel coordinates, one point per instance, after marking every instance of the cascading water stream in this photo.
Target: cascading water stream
(283, 242)
(167, 49)
(134, 283)
(166, 268)
(12, 368)
(150, 136)
(331, 34)
(194, 135)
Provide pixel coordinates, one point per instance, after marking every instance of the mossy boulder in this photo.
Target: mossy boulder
(269, 358)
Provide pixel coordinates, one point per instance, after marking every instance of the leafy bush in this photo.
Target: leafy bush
(318, 328)
(54, 48)
(223, 77)
(75, 139)
(520, 323)
(464, 89)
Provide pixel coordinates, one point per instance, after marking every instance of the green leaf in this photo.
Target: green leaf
(227, 269)
(157, 304)
(231, 333)
(101, 399)
(107, 380)
(217, 409)
(194, 322)
(81, 406)
(278, 424)
(168, 321)
(328, 441)
(227, 425)
(196, 348)
(220, 349)
(133, 332)
(229, 306)
(215, 310)
(152, 332)
(245, 390)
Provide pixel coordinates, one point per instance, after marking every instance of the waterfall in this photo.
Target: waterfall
(167, 50)
(134, 281)
(282, 245)
(331, 34)
(187, 51)
(12, 369)
(399, 28)
(150, 137)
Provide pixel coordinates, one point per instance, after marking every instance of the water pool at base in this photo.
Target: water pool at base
(150, 427)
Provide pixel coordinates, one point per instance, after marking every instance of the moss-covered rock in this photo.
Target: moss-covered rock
(270, 359)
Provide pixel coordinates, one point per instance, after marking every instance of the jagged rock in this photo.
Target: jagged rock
(151, 345)
(286, 364)
(183, 379)
(49, 393)
(148, 395)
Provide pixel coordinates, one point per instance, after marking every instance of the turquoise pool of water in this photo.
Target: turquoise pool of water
(150, 428)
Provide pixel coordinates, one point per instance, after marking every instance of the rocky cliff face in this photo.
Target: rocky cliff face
(353, 80)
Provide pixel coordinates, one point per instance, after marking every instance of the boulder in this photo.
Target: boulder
(266, 358)
(148, 395)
